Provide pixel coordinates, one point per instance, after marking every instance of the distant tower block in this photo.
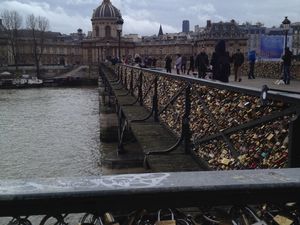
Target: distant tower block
(186, 26)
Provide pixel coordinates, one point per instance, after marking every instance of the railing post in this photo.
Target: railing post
(294, 143)
(122, 75)
(131, 83)
(125, 81)
(155, 100)
(119, 72)
(140, 95)
(120, 130)
(186, 120)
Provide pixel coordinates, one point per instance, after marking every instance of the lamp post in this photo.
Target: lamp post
(286, 26)
(119, 22)
(107, 50)
(161, 56)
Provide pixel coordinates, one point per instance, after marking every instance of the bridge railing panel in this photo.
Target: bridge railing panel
(229, 127)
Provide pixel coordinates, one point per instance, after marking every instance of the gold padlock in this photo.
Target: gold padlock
(109, 219)
(172, 220)
(282, 220)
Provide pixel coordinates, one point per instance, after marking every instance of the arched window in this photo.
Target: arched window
(107, 31)
(97, 31)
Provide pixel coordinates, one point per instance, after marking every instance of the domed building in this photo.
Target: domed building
(104, 43)
(104, 20)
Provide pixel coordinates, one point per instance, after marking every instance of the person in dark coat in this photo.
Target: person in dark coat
(168, 64)
(252, 59)
(192, 65)
(183, 64)
(238, 60)
(220, 62)
(287, 62)
(202, 63)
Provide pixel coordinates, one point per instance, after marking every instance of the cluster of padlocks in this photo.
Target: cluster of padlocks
(262, 145)
(285, 214)
(265, 214)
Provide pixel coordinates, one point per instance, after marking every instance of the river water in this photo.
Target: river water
(49, 132)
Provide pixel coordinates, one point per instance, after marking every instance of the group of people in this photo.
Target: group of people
(220, 64)
(145, 62)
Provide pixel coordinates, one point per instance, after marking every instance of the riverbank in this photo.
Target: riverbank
(79, 76)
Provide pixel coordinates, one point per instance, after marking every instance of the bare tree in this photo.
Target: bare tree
(12, 22)
(38, 26)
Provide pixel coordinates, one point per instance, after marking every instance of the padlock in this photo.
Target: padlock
(282, 220)
(90, 219)
(255, 217)
(245, 215)
(171, 221)
(109, 219)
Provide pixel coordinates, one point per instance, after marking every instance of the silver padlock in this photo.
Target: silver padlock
(255, 217)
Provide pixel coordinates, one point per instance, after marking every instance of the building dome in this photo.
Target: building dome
(106, 10)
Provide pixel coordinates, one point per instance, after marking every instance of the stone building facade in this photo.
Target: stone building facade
(254, 34)
(296, 38)
(104, 43)
(58, 49)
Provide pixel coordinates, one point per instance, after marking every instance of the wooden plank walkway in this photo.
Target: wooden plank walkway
(152, 136)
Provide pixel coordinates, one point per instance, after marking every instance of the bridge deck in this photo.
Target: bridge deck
(153, 136)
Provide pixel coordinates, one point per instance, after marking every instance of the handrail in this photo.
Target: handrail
(151, 191)
(275, 94)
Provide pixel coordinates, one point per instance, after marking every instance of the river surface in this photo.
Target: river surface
(49, 132)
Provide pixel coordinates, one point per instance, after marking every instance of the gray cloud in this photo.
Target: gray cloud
(145, 16)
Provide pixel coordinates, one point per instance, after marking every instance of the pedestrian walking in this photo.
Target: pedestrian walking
(252, 59)
(220, 62)
(168, 64)
(287, 62)
(202, 63)
(238, 60)
(192, 65)
(178, 63)
(183, 64)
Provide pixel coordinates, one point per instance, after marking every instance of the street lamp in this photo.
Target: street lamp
(107, 50)
(286, 26)
(119, 22)
(161, 57)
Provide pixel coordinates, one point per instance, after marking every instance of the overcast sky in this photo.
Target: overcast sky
(143, 17)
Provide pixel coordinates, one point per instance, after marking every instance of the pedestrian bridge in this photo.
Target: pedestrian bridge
(221, 126)
(183, 125)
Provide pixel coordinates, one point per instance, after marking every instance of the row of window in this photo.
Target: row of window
(107, 31)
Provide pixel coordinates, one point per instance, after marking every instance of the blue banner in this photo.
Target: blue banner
(271, 47)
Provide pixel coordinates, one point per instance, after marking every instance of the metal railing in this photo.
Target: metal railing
(59, 197)
(222, 125)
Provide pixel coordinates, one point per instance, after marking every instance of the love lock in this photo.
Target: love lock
(245, 215)
(255, 217)
(171, 221)
(20, 221)
(90, 219)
